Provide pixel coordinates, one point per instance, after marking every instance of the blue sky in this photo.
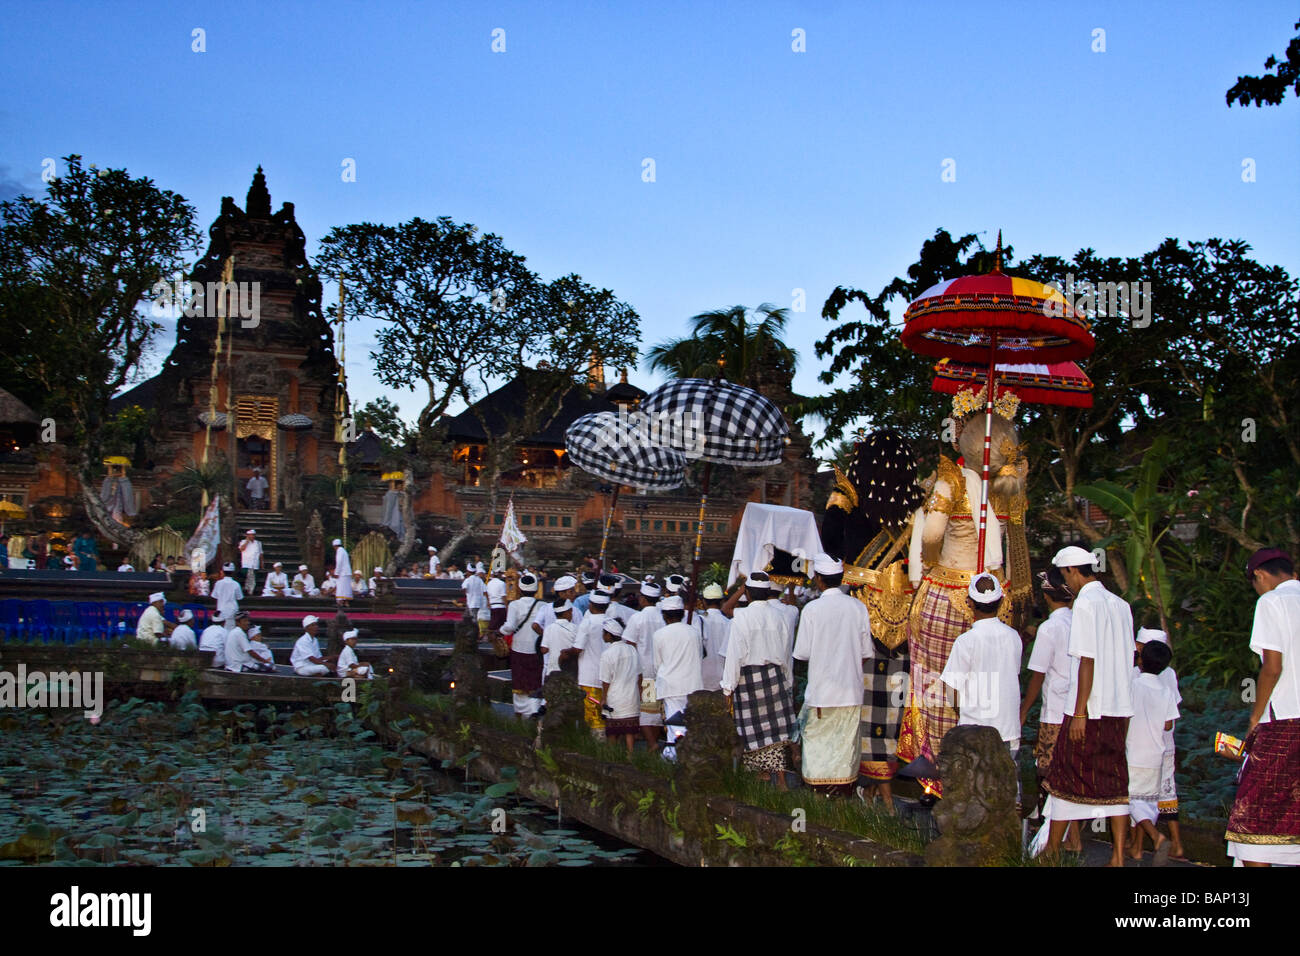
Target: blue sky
(775, 170)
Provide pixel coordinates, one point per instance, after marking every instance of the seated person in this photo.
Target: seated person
(295, 590)
(327, 586)
(308, 582)
(359, 588)
(170, 563)
(125, 566)
(182, 638)
(277, 582)
(259, 651)
(307, 659)
(374, 583)
(71, 562)
(213, 639)
(199, 584)
(348, 665)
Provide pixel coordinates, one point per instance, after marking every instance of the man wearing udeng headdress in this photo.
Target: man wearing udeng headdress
(943, 559)
(866, 520)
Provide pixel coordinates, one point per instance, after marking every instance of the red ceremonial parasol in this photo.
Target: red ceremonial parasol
(991, 318)
(1056, 383)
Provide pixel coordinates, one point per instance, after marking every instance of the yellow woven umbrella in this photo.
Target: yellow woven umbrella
(10, 511)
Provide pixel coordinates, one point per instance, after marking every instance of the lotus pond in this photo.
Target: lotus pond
(184, 785)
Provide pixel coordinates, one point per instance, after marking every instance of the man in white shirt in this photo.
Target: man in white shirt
(308, 582)
(124, 567)
(349, 665)
(716, 628)
(250, 560)
(433, 561)
(590, 644)
(359, 588)
(306, 658)
(373, 584)
(257, 487)
(183, 638)
(277, 582)
(639, 630)
(678, 658)
(620, 670)
(496, 600)
(983, 667)
(475, 600)
(757, 675)
(564, 589)
(834, 637)
(1049, 669)
(558, 637)
(1264, 826)
(239, 657)
(151, 625)
(213, 639)
(525, 661)
(1088, 778)
(342, 574)
(226, 592)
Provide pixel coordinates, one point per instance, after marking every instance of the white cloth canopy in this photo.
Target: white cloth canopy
(764, 529)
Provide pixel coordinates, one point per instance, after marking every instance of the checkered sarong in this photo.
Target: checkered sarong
(764, 711)
(884, 690)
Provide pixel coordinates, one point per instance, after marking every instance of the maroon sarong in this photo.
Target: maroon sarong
(1267, 808)
(525, 672)
(1094, 771)
(622, 726)
(498, 617)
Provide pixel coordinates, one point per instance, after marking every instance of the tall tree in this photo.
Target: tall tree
(574, 324)
(75, 269)
(746, 342)
(1270, 88)
(450, 302)
(1209, 354)
(383, 417)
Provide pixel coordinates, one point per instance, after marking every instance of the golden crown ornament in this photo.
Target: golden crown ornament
(969, 401)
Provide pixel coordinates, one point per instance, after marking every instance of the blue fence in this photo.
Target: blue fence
(70, 622)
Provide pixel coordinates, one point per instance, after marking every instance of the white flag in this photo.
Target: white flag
(207, 536)
(512, 539)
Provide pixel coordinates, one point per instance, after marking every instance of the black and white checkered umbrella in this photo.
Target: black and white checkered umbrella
(620, 452)
(717, 421)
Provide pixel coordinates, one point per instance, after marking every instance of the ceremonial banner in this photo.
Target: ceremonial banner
(512, 539)
(207, 536)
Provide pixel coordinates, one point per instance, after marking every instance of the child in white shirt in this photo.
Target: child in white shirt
(1154, 713)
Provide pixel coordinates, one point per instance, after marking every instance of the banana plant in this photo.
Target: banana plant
(1142, 510)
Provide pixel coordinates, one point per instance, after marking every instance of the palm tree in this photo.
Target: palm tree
(750, 349)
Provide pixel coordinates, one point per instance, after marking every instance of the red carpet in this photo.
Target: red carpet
(259, 614)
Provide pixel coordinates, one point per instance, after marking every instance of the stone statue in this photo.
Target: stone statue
(315, 542)
(707, 747)
(466, 673)
(977, 817)
(564, 706)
